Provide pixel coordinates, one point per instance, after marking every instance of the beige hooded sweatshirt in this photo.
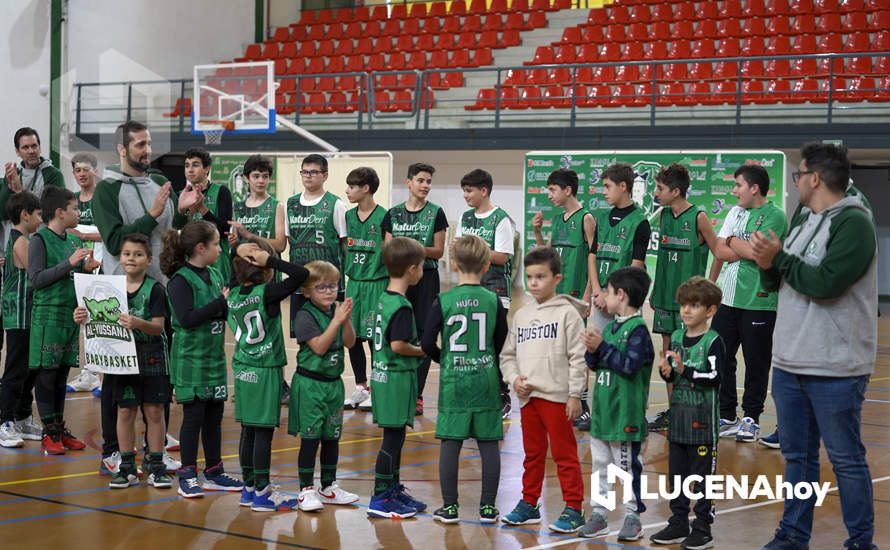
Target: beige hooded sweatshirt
(544, 345)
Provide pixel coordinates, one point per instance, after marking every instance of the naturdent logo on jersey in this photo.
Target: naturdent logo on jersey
(711, 487)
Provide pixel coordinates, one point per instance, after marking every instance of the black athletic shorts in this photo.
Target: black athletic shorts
(132, 390)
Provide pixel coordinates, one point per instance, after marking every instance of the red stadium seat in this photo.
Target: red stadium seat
(880, 20)
(805, 90)
(498, 6)
(306, 49)
(724, 92)
(466, 40)
(459, 58)
(325, 16)
(777, 68)
(754, 8)
(674, 72)
(618, 13)
(531, 97)
(638, 32)
(801, 6)
(363, 46)
(857, 66)
(706, 29)
(632, 51)
(660, 31)
(640, 14)
(623, 95)
(752, 46)
(519, 5)
(376, 62)
(855, 21)
(400, 11)
(615, 33)
(282, 34)
(588, 53)
(804, 67)
(830, 43)
(803, 23)
(683, 30)
(752, 69)
(679, 49)
(857, 42)
(476, 6)
(730, 9)
(488, 39)
(830, 22)
(543, 56)
(753, 27)
(672, 93)
(445, 41)
(728, 47)
(724, 70)
(555, 96)
(699, 71)
(604, 73)
(778, 26)
(610, 51)
(565, 54)
(516, 20)
(458, 7)
(598, 95)
(655, 51)
(778, 7)
(559, 76)
(571, 35)
(778, 45)
(883, 91)
(325, 48)
(777, 91)
(729, 28)
(335, 64)
(803, 44)
(700, 92)
(472, 23)
(703, 48)
(662, 11)
(510, 38)
(437, 9)
(598, 17)
(439, 59)
(417, 61)
(707, 10)
(543, 5)
(881, 41)
(484, 100)
(396, 61)
(627, 73)
(684, 11)
(493, 22)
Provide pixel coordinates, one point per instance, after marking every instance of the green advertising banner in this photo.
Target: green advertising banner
(228, 170)
(711, 173)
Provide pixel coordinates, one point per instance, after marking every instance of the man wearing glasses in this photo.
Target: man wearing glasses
(316, 225)
(826, 340)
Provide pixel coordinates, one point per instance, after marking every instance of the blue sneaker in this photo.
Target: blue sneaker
(270, 500)
(216, 479)
(771, 441)
(523, 514)
(189, 487)
(401, 494)
(569, 521)
(748, 430)
(387, 505)
(246, 496)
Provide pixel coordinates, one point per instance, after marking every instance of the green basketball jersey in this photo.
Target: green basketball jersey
(312, 232)
(618, 408)
(17, 290)
(211, 201)
(615, 244)
(151, 349)
(469, 373)
(568, 239)
(259, 220)
(680, 256)
(740, 281)
(420, 226)
(331, 363)
(198, 357)
(86, 210)
(53, 304)
(259, 341)
(695, 410)
(364, 239)
(383, 358)
(497, 278)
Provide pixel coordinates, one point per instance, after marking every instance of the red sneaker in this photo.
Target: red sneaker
(52, 445)
(418, 411)
(70, 442)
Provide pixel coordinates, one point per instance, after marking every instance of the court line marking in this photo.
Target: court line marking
(663, 523)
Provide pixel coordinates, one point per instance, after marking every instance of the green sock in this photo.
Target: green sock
(382, 483)
(261, 478)
(156, 461)
(307, 477)
(128, 461)
(247, 476)
(328, 475)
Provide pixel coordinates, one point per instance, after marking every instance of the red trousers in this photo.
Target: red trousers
(543, 420)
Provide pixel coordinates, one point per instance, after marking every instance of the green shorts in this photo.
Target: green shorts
(258, 395)
(211, 392)
(666, 321)
(316, 408)
(479, 425)
(365, 295)
(395, 397)
(51, 346)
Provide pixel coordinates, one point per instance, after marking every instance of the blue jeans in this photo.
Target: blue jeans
(814, 407)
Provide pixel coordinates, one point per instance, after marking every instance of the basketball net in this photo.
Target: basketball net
(216, 128)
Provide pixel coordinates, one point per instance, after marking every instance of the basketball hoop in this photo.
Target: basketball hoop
(215, 129)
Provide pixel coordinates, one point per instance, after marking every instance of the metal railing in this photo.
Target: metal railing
(93, 106)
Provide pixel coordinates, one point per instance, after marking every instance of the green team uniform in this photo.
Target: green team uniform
(393, 376)
(198, 358)
(367, 274)
(497, 278)
(680, 257)
(316, 389)
(695, 411)
(86, 216)
(469, 386)
(211, 201)
(615, 243)
(740, 281)
(568, 239)
(17, 290)
(618, 408)
(259, 220)
(420, 226)
(259, 357)
(312, 235)
(150, 349)
(54, 334)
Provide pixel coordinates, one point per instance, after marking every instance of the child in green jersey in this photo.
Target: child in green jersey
(495, 227)
(197, 358)
(367, 274)
(693, 365)
(323, 329)
(684, 236)
(53, 256)
(16, 391)
(425, 222)
(621, 237)
(214, 202)
(258, 363)
(150, 389)
(621, 360)
(393, 376)
(260, 215)
(473, 323)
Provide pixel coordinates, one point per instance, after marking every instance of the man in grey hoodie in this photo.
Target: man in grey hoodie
(825, 341)
(133, 199)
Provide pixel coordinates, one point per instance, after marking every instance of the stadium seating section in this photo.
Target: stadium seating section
(340, 48)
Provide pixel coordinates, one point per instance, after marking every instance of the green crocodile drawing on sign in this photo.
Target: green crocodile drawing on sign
(103, 311)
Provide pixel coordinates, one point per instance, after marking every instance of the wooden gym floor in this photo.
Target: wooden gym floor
(61, 502)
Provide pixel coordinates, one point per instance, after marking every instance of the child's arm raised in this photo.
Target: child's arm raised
(43, 275)
(429, 344)
(639, 352)
(322, 343)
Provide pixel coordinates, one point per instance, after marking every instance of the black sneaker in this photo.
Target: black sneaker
(507, 405)
(447, 514)
(697, 540)
(488, 513)
(677, 530)
(661, 422)
(583, 421)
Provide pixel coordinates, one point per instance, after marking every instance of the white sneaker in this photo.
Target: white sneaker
(112, 463)
(366, 404)
(748, 430)
(172, 444)
(10, 436)
(170, 463)
(85, 381)
(358, 397)
(729, 428)
(29, 429)
(335, 495)
(308, 500)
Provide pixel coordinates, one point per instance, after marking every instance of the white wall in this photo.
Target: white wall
(281, 13)
(24, 61)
